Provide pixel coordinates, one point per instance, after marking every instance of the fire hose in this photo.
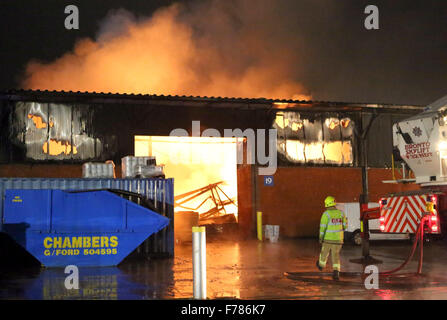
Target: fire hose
(419, 238)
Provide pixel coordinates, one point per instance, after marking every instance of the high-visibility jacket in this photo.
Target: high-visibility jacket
(332, 225)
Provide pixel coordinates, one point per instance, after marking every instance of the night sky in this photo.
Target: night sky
(404, 62)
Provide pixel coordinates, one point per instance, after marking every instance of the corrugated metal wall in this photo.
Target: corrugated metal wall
(46, 131)
(316, 138)
(5, 152)
(160, 191)
(55, 131)
(380, 139)
(82, 127)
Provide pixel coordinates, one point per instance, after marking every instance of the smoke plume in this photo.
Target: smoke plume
(208, 48)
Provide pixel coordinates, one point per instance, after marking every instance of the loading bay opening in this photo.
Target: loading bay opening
(205, 174)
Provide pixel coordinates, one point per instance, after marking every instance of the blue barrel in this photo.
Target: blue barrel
(59, 226)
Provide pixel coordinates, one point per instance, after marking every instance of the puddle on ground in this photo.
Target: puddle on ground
(240, 270)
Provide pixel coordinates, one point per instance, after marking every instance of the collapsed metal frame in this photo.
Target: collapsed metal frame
(219, 204)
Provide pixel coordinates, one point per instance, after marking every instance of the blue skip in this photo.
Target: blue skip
(94, 228)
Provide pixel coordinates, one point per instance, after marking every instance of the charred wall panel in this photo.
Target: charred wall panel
(50, 131)
(316, 138)
(85, 128)
(127, 121)
(4, 131)
(70, 132)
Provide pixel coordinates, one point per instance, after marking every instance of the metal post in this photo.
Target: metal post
(259, 225)
(365, 231)
(404, 171)
(392, 166)
(364, 197)
(421, 246)
(199, 262)
(255, 190)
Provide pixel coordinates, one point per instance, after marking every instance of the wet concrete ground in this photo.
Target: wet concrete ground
(242, 270)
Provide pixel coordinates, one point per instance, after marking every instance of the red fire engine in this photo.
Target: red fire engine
(421, 143)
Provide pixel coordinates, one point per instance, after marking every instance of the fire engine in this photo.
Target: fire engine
(402, 212)
(421, 143)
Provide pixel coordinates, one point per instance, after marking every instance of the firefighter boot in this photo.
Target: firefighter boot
(336, 275)
(318, 265)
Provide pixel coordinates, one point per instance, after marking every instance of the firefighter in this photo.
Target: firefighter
(333, 223)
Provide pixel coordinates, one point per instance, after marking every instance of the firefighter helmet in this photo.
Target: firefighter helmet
(329, 202)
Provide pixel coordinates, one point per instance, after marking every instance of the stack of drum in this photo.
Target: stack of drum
(98, 170)
(141, 167)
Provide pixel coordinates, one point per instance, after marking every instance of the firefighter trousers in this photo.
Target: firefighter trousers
(334, 249)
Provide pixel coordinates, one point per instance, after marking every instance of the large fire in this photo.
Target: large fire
(176, 51)
(196, 162)
(302, 150)
(38, 121)
(56, 148)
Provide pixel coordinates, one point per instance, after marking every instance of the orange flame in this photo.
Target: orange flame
(58, 147)
(38, 122)
(164, 55)
(195, 162)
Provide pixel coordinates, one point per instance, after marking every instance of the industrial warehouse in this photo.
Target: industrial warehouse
(76, 165)
(207, 157)
(51, 135)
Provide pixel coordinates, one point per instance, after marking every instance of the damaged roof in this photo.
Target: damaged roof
(433, 109)
(231, 102)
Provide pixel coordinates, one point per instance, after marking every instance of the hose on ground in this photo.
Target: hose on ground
(418, 239)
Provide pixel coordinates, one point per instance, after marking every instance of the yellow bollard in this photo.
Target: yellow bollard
(259, 219)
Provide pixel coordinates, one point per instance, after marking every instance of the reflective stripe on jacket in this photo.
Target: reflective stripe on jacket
(332, 225)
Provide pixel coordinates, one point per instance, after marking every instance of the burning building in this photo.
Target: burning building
(321, 148)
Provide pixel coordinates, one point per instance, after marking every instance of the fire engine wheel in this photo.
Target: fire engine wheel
(357, 238)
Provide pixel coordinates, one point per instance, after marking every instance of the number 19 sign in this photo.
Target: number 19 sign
(268, 181)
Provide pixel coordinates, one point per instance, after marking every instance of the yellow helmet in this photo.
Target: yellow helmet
(329, 202)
